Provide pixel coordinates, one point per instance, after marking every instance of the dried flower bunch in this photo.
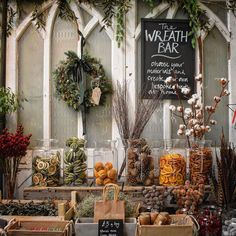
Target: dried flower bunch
(197, 119)
(46, 208)
(155, 199)
(13, 147)
(189, 196)
(86, 206)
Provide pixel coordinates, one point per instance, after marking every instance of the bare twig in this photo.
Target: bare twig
(144, 111)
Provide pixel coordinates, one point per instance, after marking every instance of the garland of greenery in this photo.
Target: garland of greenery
(197, 17)
(67, 83)
(117, 9)
(113, 8)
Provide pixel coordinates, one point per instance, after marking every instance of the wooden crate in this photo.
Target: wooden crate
(66, 209)
(41, 228)
(185, 229)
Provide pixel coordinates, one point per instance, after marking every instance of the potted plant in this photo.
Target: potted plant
(13, 147)
(9, 102)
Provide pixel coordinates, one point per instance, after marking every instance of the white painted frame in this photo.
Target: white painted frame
(123, 59)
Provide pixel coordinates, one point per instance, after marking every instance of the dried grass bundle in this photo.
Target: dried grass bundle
(225, 184)
(145, 109)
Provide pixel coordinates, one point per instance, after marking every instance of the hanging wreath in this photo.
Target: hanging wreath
(81, 82)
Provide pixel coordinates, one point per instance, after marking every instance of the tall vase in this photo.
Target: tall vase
(10, 175)
(200, 161)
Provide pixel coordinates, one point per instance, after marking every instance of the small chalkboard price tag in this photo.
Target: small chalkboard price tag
(110, 228)
(165, 48)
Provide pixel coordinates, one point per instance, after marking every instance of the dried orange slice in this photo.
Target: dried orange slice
(54, 160)
(43, 184)
(162, 162)
(40, 176)
(35, 179)
(46, 165)
(40, 165)
(168, 168)
(172, 179)
(52, 169)
(179, 177)
(162, 179)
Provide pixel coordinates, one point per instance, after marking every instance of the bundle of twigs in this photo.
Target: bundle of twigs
(224, 184)
(120, 111)
(143, 113)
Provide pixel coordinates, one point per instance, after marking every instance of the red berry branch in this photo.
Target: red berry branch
(13, 147)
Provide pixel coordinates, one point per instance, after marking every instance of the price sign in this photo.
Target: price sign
(110, 228)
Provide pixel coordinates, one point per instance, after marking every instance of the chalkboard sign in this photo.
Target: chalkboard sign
(165, 47)
(110, 228)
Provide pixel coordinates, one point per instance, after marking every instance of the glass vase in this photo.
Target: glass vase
(122, 146)
(209, 220)
(229, 221)
(75, 163)
(172, 163)
(200, 161)
(105, 162)
(46, 163)
(140, 163)
(157, 148)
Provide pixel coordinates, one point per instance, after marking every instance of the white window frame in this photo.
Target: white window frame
(123, 59)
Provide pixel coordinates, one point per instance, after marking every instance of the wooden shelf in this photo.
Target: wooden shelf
(64, 192)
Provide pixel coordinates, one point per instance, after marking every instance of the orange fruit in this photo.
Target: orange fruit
(107, 181)
(108, 165)
(99, 181)
(112, 174)
(102, 174)
(99, 166)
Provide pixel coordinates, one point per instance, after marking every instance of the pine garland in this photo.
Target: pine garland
(68, 87)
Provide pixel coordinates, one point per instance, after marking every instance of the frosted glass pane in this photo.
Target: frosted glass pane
(215, 62)
(99, 120)
(142, 10)
(64, 118)
(219, 9)
(31, 82)
(86, 17)
(154, 128)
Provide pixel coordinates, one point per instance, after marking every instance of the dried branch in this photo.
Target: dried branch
(120, 111)
(144, 111)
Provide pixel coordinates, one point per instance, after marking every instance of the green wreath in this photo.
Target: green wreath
(69, 84)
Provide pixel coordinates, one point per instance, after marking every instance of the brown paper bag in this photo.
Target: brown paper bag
(109, 209)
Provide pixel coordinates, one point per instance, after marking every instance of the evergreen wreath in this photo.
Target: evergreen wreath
(67, 78)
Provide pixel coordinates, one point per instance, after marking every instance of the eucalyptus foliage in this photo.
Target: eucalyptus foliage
(9, 101)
